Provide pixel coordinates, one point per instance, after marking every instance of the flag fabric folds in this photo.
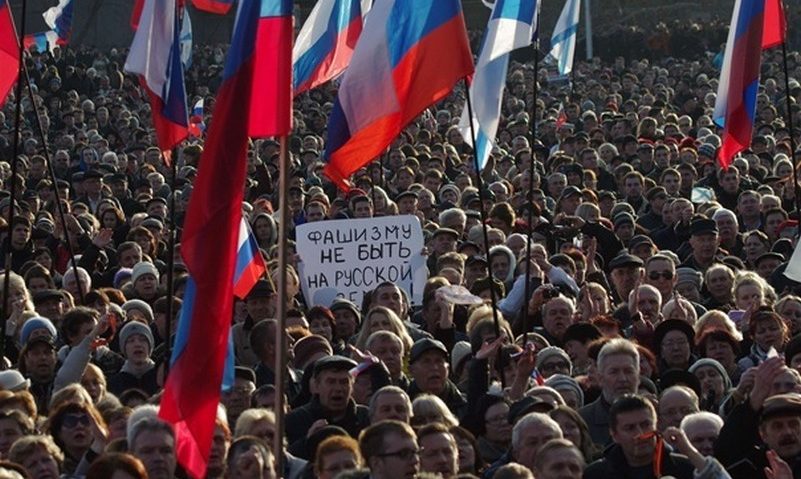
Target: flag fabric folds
(735, 105)
(511, 26)
(410, 55)
(156, 57)
(186, 40)
(209, 247)
(775, 29)
(197, 125)
(43, 41)
(136, 13)
(563, 40)
(325, 44)
(220, 7)
(9, 51)
(59, 19)
(249, 262)
(271, 110)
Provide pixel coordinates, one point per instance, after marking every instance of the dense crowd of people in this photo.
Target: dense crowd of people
(636, 319)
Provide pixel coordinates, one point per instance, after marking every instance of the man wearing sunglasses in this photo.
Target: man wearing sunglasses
(660, 272)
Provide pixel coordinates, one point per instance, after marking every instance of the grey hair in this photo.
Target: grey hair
(703, 416)
(533, 418)
(618, 346)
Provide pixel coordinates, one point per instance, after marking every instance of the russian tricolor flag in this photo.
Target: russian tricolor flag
(410, 55)
(43, 41)
(210, 240)
(755, 25)
(271, 110)
(249, 262)
(326, 42)
(9, 51)
(197, 126)
(59, 19)
(156, 57)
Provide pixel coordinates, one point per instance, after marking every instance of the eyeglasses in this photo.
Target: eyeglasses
(403, 454)
(72, 420)
(654, 275)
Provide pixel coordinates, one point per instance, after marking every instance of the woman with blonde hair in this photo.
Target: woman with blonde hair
(427, 409)
(752, 289)
(380, 318)
(716, 320)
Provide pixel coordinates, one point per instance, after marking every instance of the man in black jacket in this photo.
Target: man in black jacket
(331, 405)
(632, 424)
(428, 363)
(762, 422)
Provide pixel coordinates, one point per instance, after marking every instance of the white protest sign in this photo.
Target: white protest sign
(347, 258)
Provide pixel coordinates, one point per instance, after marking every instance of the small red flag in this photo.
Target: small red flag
(774, 31)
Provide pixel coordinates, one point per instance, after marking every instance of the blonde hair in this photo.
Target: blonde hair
(248, 419)
(396, 326)
(27, 445)
(705, 323)
(750, 278)
(429, 405)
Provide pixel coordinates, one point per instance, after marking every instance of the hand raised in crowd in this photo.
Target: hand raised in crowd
(490, 349)
(778, 468)
(765, 374)
(679, 441)
(445, 311)
(103, 237)
(249, 464)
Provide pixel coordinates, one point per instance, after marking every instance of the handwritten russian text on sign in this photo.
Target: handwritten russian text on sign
(347, 258)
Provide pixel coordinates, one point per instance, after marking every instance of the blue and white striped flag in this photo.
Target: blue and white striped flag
(563, 40)
(511, 26)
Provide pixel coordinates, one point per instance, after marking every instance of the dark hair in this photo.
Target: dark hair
(371, 440)
(719, 335)
(628, 403)
(321, 312)
(460, 433)
(75, 318)
(56, 419)
(107, 464)
(433, 428)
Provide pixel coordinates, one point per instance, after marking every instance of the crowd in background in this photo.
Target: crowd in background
(648, 330)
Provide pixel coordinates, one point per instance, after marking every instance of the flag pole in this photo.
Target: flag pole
(52, 172)
(530, 195)
(789, 114)
(13, 189)
(480, 185)
(280, 340)
(173, 232)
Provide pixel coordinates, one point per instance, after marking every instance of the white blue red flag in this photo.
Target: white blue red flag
(210, 240)
(511, 26)
(197, 123)
(59, 19)
(271, 110)
(755, 25)
(326, 42)
(156, 57)
(43, 41)
(9, 51)
(250, 265)
(409, 56)
(563, 40)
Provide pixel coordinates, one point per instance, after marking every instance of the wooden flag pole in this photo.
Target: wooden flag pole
(280, 339)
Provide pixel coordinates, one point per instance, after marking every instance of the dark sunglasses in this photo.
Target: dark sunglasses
(72, 420)
(654, 275)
